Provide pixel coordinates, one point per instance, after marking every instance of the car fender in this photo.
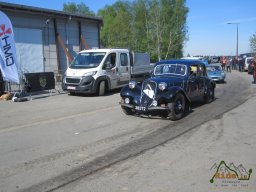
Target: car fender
(173, 91)
(99, 79)
(127, 92)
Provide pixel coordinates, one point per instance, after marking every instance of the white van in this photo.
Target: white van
(99, 70)
(247, 62)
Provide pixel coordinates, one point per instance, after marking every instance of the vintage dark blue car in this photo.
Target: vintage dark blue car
(169, 92)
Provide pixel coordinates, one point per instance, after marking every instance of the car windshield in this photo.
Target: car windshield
(170, 69)
(213, 68)
(249, 60)
(87, 60)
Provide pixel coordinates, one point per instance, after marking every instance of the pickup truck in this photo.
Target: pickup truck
(101, 70)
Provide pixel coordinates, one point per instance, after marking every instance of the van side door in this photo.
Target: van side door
(110, 69)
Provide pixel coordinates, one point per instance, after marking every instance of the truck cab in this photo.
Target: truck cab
(98, 70)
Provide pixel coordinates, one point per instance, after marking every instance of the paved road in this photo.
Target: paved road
(49, 143)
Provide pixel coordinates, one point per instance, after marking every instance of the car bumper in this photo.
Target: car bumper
(145, 109)
(79, 85)
(218, 79)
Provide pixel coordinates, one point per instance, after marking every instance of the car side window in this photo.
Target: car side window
(110, 60)
(200, 71)
(124, 59)
(193, 71)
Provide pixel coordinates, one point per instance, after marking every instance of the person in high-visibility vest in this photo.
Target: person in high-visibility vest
(223, 63)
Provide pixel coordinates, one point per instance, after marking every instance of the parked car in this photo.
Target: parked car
(247, 62)
(169, 92)
(215, 72)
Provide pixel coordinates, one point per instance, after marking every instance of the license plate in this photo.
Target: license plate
(71, 88)
(139, 108)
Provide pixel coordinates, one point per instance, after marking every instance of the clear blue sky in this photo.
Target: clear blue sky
(209, 33)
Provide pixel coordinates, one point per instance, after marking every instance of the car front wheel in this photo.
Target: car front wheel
(177, 107)
(101, 88)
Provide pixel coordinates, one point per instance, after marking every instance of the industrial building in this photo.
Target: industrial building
(47, 40)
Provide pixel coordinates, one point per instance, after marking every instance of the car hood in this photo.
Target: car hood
(170, 80)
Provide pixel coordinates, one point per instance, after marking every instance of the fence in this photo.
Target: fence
(36, 82)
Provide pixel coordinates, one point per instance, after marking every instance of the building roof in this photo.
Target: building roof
(43, 11)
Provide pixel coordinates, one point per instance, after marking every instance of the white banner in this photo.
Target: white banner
(8, 61)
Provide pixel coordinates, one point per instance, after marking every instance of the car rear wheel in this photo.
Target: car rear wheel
(177, 107)
(209, 97)
(127, 110)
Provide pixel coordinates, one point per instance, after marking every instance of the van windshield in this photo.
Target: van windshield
(87, 60)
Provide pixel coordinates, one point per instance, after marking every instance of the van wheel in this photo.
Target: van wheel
(102, 88)
(177, 107)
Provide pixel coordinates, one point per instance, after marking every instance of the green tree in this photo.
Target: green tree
(140, 26)
(154, 26)
(168, 21)
(253, 42)
(116, 30)
(79, 8)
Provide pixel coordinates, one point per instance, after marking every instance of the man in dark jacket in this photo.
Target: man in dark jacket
(241, 64)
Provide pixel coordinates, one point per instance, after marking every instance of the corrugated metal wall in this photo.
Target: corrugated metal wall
(68, 30)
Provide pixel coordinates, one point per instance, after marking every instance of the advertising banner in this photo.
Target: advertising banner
(8, 61)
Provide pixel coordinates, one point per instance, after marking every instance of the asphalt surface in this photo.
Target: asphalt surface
(64, 142)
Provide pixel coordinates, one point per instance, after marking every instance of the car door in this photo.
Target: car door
(110, 69)
(192, 88)
(124, 68)
(201, 78)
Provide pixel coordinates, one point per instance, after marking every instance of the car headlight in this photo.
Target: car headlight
(127, 100)
(132, 84)
(162, 86)
(89, 73)
(222, 74)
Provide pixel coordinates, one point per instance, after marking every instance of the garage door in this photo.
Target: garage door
(29, 48)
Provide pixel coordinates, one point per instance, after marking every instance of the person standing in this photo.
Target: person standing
(232, 62)
(254, 70)
(228, 65)
(240, 65)
(2, 85)
(223, 63)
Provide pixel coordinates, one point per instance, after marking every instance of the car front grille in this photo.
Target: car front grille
(72, 80)
(148, 93)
